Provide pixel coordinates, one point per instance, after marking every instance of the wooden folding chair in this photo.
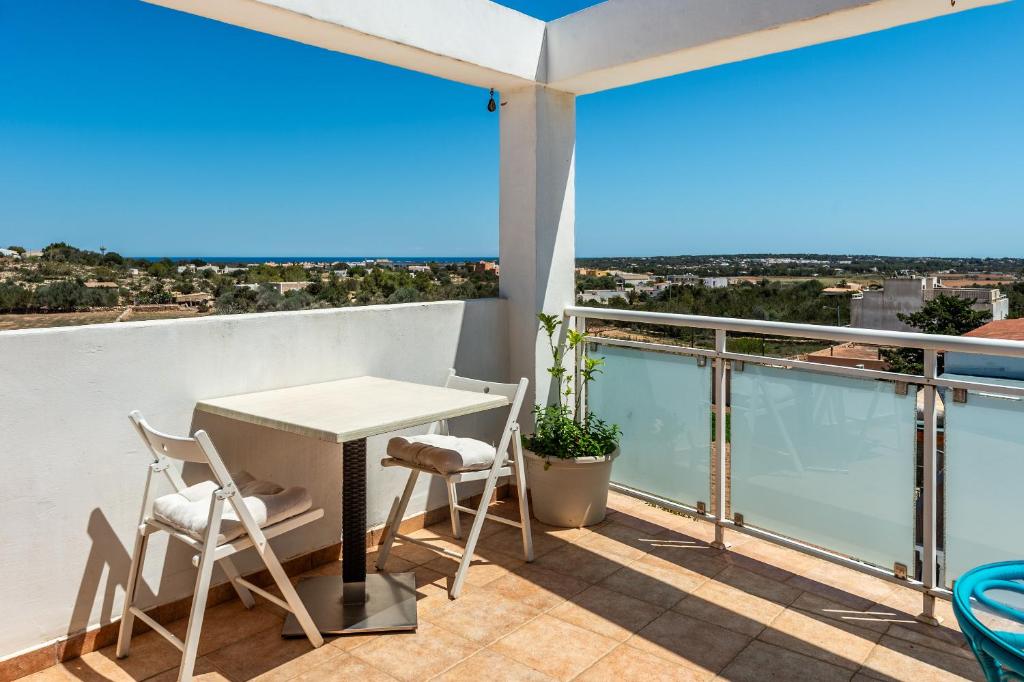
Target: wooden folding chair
(440, 454)
(220, 536)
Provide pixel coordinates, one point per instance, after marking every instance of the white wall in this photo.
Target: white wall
(73, 468)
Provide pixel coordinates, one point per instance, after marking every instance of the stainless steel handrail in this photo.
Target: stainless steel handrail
(879, 337)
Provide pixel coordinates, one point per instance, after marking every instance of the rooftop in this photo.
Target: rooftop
(1011, 330)
(641, 596)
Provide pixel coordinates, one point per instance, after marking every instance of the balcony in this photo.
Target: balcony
(643, 596)
(843, 526)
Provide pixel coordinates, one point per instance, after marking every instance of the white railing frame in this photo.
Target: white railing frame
(930, 382)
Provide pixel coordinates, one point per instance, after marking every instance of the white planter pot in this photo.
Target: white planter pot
(570, 493)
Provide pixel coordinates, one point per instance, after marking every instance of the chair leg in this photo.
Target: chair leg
(396, 520)
(453, 499)
(195, 619)
(233, 575)
(474, 535)
(124, 633)
(292, 597)
(524, 499)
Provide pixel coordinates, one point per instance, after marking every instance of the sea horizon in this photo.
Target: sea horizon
(318, 259)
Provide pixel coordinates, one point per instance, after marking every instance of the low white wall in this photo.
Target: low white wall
(73, 468)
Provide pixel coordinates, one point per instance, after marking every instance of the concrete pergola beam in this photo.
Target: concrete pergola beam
(609, 45)
(469, 41)
(622, 42)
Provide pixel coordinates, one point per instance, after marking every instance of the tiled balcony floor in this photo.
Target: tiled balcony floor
(640, 597)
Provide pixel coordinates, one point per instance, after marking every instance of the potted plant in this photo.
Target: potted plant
(569, 455)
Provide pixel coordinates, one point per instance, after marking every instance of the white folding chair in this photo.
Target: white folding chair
(460, 460)
(196, 516)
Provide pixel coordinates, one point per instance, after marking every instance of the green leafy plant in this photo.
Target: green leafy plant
(567, 429)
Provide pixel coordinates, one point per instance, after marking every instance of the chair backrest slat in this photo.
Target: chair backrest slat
(479, 386)
(162, 444)
(515, 393)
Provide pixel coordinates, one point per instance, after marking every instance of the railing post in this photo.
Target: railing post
(929, 492)
(718, 459)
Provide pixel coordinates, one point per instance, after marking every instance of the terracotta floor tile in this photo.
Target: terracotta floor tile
(607, 612)
(775, 559)
(508, 540)
(758, 585)
(896, 659)
(730, 608)
(618, 540)
(150, 655)
(656, 584)
(689, 642)
(844, 585)
(411, 552)
(832, 641)
(344, 668)
(267, 655)
(877, 618)
(205, 671)
(762, 662)
(230, 622)
(538, 588)
(628, 664)
(935, 637)
(580, 562)
(55, 673)
(416, 655)
(483, 616)
(707, 563)
(482, 570)
(556, 648)
(494, 667)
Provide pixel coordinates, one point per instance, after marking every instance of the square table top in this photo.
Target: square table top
(349, 409)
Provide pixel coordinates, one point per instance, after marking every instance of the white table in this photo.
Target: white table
(347, 412)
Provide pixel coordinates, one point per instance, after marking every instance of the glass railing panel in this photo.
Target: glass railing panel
(983, 481)
(662, 402)
(826, 460)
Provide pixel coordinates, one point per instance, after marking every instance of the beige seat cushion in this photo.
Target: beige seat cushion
(443, 454)
(269, 503)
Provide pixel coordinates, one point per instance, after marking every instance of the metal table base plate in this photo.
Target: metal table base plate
(390, 605)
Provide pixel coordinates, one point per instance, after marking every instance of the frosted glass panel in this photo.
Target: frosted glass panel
(825, 460)
(662, 402)
(984, 482)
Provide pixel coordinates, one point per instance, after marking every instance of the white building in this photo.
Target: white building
(880, 308)
(715, 282)
(601, 295)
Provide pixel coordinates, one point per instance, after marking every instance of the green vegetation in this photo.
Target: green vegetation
(567, 429)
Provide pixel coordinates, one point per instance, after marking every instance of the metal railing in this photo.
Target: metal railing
(929, 383)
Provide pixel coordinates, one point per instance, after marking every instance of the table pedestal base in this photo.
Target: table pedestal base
(390, 605)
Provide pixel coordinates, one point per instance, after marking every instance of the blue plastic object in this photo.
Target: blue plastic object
(1000, 653)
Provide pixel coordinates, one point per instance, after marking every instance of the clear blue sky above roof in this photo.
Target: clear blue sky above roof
(153, 132)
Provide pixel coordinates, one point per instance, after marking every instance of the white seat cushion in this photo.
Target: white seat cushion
(269, 503)
(443, 454)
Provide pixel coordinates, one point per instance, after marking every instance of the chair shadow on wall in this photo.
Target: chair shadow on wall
(107, 553)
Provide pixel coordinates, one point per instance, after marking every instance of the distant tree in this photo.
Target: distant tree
(17, 249)
(943, 314)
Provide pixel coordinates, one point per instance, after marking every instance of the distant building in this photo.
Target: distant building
(93, 284)
(715, 282)
(630, 278)
(191, 300)
(8, 253)
(849, 355)
(285, 287)
(486, 266)
(601, 295)
(990, 366)
(419, 268)
(689, 279)
(879, 308)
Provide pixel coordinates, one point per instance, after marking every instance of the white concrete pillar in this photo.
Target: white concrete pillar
(537, 221)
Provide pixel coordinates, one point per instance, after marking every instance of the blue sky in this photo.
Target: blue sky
(153, 132)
